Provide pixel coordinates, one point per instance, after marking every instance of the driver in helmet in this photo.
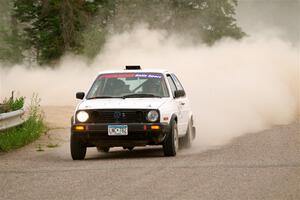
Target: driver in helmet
(152, 86)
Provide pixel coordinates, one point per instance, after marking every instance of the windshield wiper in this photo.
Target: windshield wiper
(103, 97)
(140, 96)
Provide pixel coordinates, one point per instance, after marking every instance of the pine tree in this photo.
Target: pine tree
(53, 27)
(203, 20)
(11, 44)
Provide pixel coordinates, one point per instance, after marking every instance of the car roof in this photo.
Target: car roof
(163, 71)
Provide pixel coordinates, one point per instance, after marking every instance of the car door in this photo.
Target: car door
(184, 103)
(180, 105)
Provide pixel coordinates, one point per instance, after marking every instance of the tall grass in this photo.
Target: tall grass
(11, 104)
(29, 131)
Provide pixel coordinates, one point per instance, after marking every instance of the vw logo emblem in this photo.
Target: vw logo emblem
(117, 115)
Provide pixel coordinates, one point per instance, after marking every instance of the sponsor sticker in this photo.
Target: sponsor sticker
(131, 75)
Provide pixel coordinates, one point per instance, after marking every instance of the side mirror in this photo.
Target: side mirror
(179, 93)
(79, 95)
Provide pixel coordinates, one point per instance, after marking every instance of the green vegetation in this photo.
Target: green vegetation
(11, 41)
(53, 27)
(29, 131)
(43, 31)
(12, 104)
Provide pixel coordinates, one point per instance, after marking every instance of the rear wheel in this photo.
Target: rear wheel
(186, 141)
(170, 144)
(78, 150)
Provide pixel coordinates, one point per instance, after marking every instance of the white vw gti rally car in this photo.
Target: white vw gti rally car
(132, 107)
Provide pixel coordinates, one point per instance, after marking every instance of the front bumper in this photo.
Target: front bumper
(139, 134)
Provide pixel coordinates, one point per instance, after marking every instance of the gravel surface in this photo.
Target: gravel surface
(263, 165)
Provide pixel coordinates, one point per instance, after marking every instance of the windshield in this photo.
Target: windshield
(129, 85)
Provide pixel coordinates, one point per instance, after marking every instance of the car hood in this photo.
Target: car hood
(128, 103)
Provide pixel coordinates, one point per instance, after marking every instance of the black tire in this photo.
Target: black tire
(194, 132)
(170, 144)
(103, 149)
(186, 141)
(78, 150)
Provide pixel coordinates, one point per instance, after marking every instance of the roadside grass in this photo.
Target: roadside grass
(26, 133)
(11, 104)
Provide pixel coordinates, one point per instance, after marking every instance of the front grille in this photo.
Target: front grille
(117, 116)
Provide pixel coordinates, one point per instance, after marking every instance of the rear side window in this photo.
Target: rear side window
(172, 84)
(177, 82)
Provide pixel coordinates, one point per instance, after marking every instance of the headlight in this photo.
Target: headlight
(82, 116)
(152, 116)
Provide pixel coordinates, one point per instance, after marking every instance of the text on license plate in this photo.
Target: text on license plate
(115, 130)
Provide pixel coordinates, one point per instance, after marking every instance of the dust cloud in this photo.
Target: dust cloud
(235, 87)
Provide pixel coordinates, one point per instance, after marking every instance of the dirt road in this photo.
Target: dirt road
(264, 165)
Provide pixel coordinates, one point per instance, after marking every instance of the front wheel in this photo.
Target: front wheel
(78, 150)
(170, 144)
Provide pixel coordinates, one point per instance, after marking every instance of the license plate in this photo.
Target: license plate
(116, 130)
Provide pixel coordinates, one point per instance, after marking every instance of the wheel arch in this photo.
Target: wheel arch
(173, 118)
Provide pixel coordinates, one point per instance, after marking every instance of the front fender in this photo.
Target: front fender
(168, 112)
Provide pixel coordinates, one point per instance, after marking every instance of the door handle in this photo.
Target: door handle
(182, 103)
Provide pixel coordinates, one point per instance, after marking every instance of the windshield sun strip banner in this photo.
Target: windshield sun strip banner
(131, 75)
